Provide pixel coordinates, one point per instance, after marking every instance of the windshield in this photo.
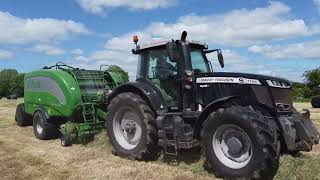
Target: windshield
(199, 63)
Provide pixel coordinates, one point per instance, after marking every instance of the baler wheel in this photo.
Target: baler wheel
(21, 118)
(66, 141)
(239, 143)
(43, 129)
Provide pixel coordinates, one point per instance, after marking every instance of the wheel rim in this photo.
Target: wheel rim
(39, 125)
(126, 128)
(63, 142)
(232, 146)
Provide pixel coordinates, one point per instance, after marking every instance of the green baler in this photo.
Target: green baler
(67, 101)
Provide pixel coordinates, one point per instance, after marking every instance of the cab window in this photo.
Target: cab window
(198, 61)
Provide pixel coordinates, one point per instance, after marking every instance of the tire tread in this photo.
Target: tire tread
(268, 141)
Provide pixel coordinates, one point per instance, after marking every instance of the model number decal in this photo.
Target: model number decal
(234, 80)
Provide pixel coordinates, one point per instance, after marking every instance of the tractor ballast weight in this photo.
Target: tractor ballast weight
(69, 99)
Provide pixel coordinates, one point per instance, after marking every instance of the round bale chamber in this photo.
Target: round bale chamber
(54, 90)
(61, 92)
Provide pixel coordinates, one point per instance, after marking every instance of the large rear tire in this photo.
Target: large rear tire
(131, 127)
(240, 144)
(44, 129)
(21, 117)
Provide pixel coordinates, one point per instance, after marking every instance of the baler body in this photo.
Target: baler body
(73, 99)
(54, 90)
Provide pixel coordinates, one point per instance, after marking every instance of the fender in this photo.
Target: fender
(145, 89)
(43, 110)
(210, 108)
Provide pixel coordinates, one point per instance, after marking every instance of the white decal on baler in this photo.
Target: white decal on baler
(232, 80)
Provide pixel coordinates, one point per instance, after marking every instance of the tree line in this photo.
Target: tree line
(11, 83)
(309, 88)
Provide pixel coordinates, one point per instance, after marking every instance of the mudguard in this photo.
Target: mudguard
(210, 108)
(145, 89)
(43, 110)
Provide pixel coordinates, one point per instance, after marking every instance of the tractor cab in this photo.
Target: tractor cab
(171, 66)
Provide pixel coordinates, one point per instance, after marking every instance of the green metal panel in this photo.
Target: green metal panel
(113, 78)
(71, 93)
(55, 90)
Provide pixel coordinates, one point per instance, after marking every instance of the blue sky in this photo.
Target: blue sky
(280, 38)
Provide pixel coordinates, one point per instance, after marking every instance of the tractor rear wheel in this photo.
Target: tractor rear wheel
(44, 129)
(21, 117)
(131, 127)
(240, 144)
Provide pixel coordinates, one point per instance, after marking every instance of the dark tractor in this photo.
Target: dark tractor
(243, 122)
(315, 102)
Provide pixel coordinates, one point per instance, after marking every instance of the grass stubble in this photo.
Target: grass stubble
(22, 156)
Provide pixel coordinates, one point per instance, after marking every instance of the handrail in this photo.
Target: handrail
(104, 65)
(60, 65)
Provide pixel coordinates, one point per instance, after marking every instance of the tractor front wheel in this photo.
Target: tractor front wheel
(240, 144)
(131, 127)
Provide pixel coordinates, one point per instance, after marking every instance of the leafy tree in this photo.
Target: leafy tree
(312, 81)
(11, 82)
(298, 91)
(124, 75)
(7, 76)
(17, 87)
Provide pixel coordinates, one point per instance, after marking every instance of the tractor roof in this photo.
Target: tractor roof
(163, 43)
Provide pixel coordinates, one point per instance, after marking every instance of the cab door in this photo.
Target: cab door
(163, 74)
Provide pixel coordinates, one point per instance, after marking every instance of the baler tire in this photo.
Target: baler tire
(66, 141)
(49, 130)
(147, 147)
(263, 162)
(21, 117)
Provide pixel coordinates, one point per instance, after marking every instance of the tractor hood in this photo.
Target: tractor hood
(252, 88)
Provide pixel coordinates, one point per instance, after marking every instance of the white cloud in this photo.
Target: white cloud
(47, 49)
(306, 50)
(317, 3)
(235, 62)
(4, 54)
(81, 59)
(125, 60)
(16, 30)
(235, 28)
(99, 6)
(77, 52)
(241, 27)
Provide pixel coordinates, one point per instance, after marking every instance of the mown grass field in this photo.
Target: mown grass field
(24, 157)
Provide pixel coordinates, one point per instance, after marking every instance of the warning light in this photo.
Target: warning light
(135, 39)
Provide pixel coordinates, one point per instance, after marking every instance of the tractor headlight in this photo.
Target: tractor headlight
(278, 84)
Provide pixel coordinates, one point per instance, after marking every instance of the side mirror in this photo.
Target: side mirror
(172, 50)
(220, 58)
